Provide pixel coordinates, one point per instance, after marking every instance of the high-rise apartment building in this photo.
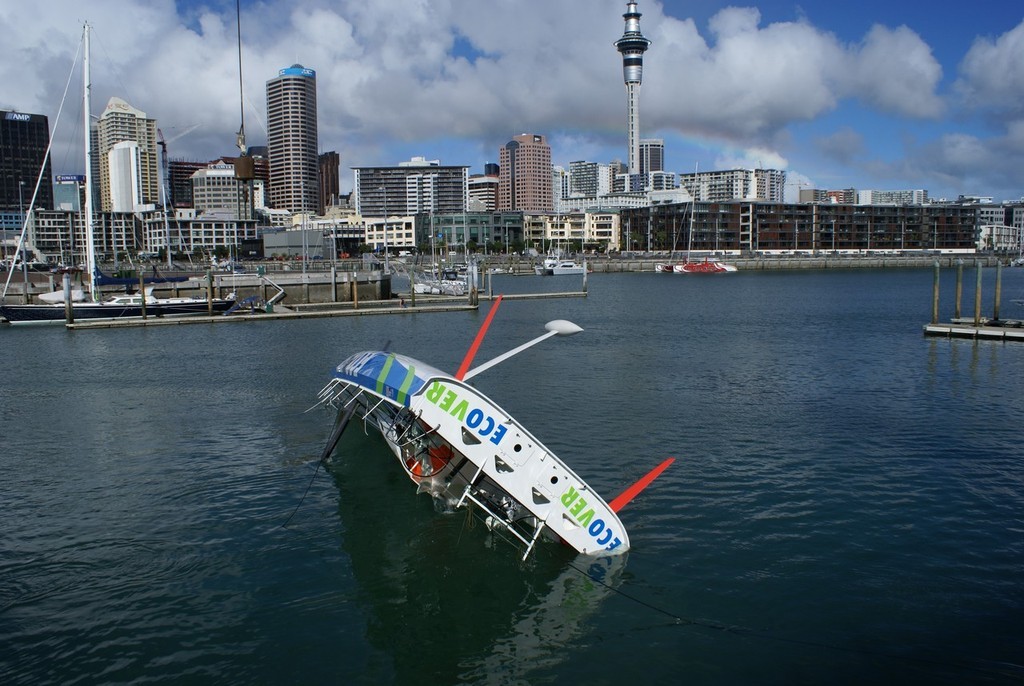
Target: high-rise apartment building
(524, 180)
(292, 140)
(632, 46)
(736, 184)
(590, 179)
(122, 123)
(412, 187)
(908, 197)
(23, 141)
(123, 165)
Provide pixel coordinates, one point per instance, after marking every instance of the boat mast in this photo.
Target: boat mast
(90, 245)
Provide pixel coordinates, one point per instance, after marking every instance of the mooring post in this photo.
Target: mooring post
(999, 290)
(935, 294)
(959, 287)
(412, 287)
(209, 292)
(142, 293)
(69, 310)
(977, 297)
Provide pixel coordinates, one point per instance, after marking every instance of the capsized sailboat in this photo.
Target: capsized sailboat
(462, 448)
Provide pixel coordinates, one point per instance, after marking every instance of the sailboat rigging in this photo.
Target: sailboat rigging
(120, 306)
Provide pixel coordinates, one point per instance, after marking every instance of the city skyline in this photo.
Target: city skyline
(877, 96)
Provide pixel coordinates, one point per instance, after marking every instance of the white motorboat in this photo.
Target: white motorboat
(557, 267)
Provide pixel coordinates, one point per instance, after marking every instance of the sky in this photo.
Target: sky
(904, 94)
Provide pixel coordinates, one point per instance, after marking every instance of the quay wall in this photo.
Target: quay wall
(785, 262)
(355, 283)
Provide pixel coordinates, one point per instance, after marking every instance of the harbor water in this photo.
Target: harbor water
(846, 505)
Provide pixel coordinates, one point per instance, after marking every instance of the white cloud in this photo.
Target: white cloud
(751, 158)
(895, 71)
(992, 72)
(392, 73)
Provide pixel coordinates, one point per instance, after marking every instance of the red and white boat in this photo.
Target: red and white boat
(708, 266)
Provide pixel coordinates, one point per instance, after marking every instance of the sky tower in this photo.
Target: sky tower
(633, 45)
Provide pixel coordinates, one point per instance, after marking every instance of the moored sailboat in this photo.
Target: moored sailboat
(119, 306)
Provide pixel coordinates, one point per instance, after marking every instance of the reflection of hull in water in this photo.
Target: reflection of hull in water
(477, 612)
(542, 631)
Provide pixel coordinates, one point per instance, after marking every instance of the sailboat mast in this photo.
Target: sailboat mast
(90, 244)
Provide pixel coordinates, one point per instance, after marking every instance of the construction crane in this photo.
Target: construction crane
(162, 142)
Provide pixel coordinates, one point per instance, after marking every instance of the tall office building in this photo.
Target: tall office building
(524, 180)
(292, 140)
(330, 180)
(23, 142)
(120, 123)
(483, 191)
(633, 45)
(652, 155)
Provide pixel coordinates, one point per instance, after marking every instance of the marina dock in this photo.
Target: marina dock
(978, 326)
(1010, 331)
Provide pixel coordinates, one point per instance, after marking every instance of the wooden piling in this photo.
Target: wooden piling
(959, 287)
(999, 290)
(935, 294)
(69, 310)
(977, 298)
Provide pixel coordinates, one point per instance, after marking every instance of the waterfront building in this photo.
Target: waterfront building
(736, 184)
(201, 236)
(292, 140)
(393, 233)
(755, 227)
(24, 139)
(419, 185)
(596, 230)
(999, 238)
(524, 182)
(632, 45)
(130, 170)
